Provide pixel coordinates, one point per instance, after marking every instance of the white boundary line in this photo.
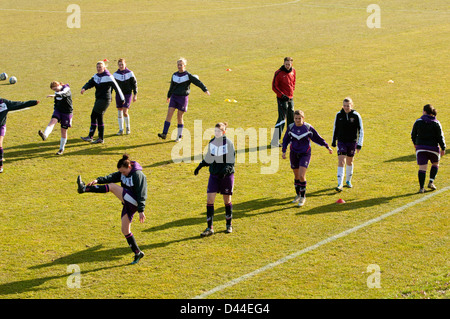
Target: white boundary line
(323, 242)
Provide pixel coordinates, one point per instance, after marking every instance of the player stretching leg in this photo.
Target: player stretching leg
(132, 193)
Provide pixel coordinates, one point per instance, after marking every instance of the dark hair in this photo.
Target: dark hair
(430, 110)
(222, 125)
(299, 112)
(288, 58)
(124, 161)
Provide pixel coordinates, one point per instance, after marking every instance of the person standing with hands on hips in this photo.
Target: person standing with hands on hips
(283, 84)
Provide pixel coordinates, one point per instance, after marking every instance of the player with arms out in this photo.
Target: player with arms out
(132, 193)
(220, 158)
(427, 136)
(298, 135)
(178, 97)
(62, 113)
(5, 107)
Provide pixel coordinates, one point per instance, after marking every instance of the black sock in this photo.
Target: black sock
(302, 188)
(229, 213)
(209, 215)
(433, 173)
(132, 243)
(101, 131)
(97, 189)
(297, 186)
(422, 178)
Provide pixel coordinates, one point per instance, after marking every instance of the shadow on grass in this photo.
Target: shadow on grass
(32, 285)
(40, 149)
(240, 210)
(406, 158)
(352, 205)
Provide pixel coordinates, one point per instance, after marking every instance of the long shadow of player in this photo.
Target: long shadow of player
(352, 205)
(246, 209)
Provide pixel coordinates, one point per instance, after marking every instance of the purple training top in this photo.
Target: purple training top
(300, 136)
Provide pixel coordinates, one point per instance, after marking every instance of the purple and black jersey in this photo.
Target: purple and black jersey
(180, 84)
(63, 100)
(7, 105)
(135, 183)
(104, 83)
(427, 134)
(300, 136)
(127, 81)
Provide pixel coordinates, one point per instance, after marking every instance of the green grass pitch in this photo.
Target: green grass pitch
(46, 226)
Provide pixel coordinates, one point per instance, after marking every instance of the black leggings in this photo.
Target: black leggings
(97, 118)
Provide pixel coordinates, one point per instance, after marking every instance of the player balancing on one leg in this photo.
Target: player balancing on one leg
(128, 84)
(178, 97)
(220, 158)
(427, 136)
(349, 134)
(5, 107)
(104, 83)
(132, 193)
(62, 113)
(299, 134)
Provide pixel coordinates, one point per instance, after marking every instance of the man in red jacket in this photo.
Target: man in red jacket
(283, 85)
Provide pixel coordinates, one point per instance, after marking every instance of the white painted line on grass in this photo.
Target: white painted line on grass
(323, 242)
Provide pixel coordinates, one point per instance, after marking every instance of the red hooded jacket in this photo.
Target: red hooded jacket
(284, 82)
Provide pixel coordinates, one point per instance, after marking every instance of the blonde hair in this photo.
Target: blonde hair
(298, 112)
(349, 100)
(182, 60)
(104, 62)
(121, 60)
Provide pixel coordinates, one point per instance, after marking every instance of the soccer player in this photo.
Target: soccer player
(104, 83)
(299, 134)
(62, 113)
(427, 136)
(178, 97)
(283, 84)
(220, 158)
(349, 134)
(5, 107)
(128, 84)
(132, 193)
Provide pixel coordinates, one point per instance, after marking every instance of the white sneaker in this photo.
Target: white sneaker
(296, 199)
(302, 201)
(128, 131)
(179, 139)
(120, 132)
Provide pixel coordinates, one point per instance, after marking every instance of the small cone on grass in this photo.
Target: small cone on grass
(340, 201)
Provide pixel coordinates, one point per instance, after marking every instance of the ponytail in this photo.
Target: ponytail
(124, 161)
(430, 110)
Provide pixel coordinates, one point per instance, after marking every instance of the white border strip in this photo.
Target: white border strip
(323, 242)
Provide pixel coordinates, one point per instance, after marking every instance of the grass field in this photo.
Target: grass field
(47, 226)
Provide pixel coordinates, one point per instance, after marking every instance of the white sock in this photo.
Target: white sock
(62, 143)
(340, 175)
(127, 122)
(349, 173)
(48, 130)
(120, 119)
